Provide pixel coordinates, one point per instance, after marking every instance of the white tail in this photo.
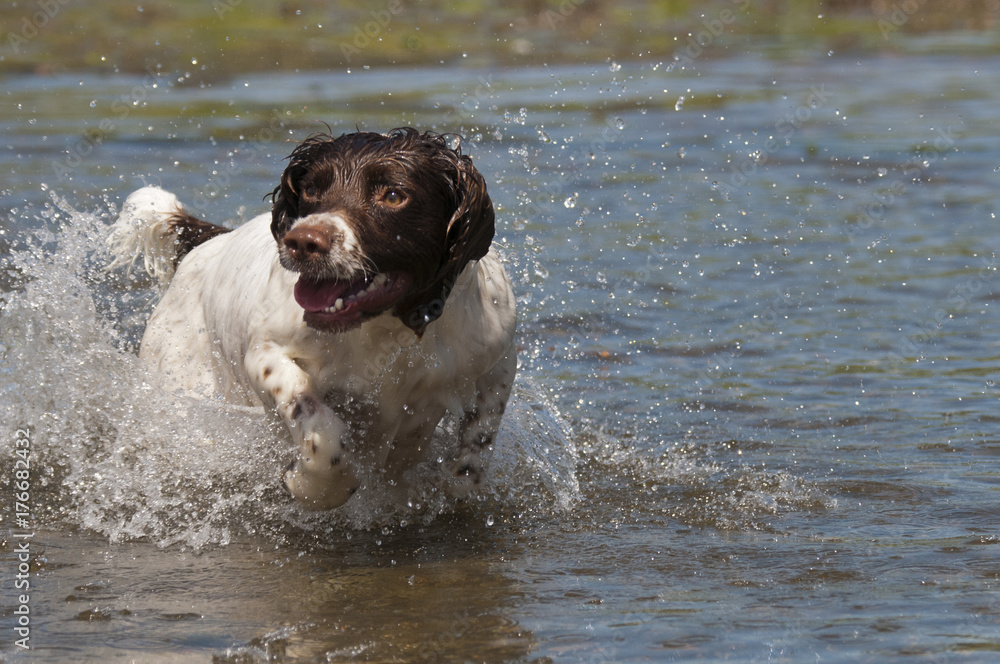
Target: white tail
(142, 230)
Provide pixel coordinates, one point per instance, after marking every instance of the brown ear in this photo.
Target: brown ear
(284, 206)
(470, 233)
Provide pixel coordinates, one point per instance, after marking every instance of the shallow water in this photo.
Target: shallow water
(757, 410)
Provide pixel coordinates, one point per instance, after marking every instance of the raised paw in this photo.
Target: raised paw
(321, 477)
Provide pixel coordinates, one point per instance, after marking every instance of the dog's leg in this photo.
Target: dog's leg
(480, 425)
(321, 477)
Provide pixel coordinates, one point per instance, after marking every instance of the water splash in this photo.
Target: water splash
(116, 455)
(698, 483)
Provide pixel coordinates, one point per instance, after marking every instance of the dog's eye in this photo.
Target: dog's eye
(310, 191)
(393, 198)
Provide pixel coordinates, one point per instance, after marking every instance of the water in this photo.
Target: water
(757, 408)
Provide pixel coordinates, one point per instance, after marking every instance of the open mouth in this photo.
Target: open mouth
(344, 303)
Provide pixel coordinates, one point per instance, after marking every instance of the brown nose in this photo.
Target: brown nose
(306, 242)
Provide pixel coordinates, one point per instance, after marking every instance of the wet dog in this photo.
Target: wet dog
(365, 307)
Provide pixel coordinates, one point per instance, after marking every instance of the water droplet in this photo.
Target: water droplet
(680, 103)
(619, 123)
(93, 103)
(571, 201)
(614, 66)
(489, 520)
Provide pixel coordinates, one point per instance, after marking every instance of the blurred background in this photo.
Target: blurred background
(214, 39)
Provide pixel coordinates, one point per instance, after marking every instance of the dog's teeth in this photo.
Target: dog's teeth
(339, 304)
(376, 283)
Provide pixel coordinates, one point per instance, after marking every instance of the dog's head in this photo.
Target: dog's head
(377, 223)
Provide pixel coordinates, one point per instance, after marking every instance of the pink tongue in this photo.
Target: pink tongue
(316, 296)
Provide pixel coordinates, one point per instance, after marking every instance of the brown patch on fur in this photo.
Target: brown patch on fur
(191, 232)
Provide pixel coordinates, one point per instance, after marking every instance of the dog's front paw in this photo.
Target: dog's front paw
(322, 477)
(320, 490)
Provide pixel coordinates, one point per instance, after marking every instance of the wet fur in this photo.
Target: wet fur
(228, 325)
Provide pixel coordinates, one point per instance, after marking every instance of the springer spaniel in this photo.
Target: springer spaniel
(365, 307)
